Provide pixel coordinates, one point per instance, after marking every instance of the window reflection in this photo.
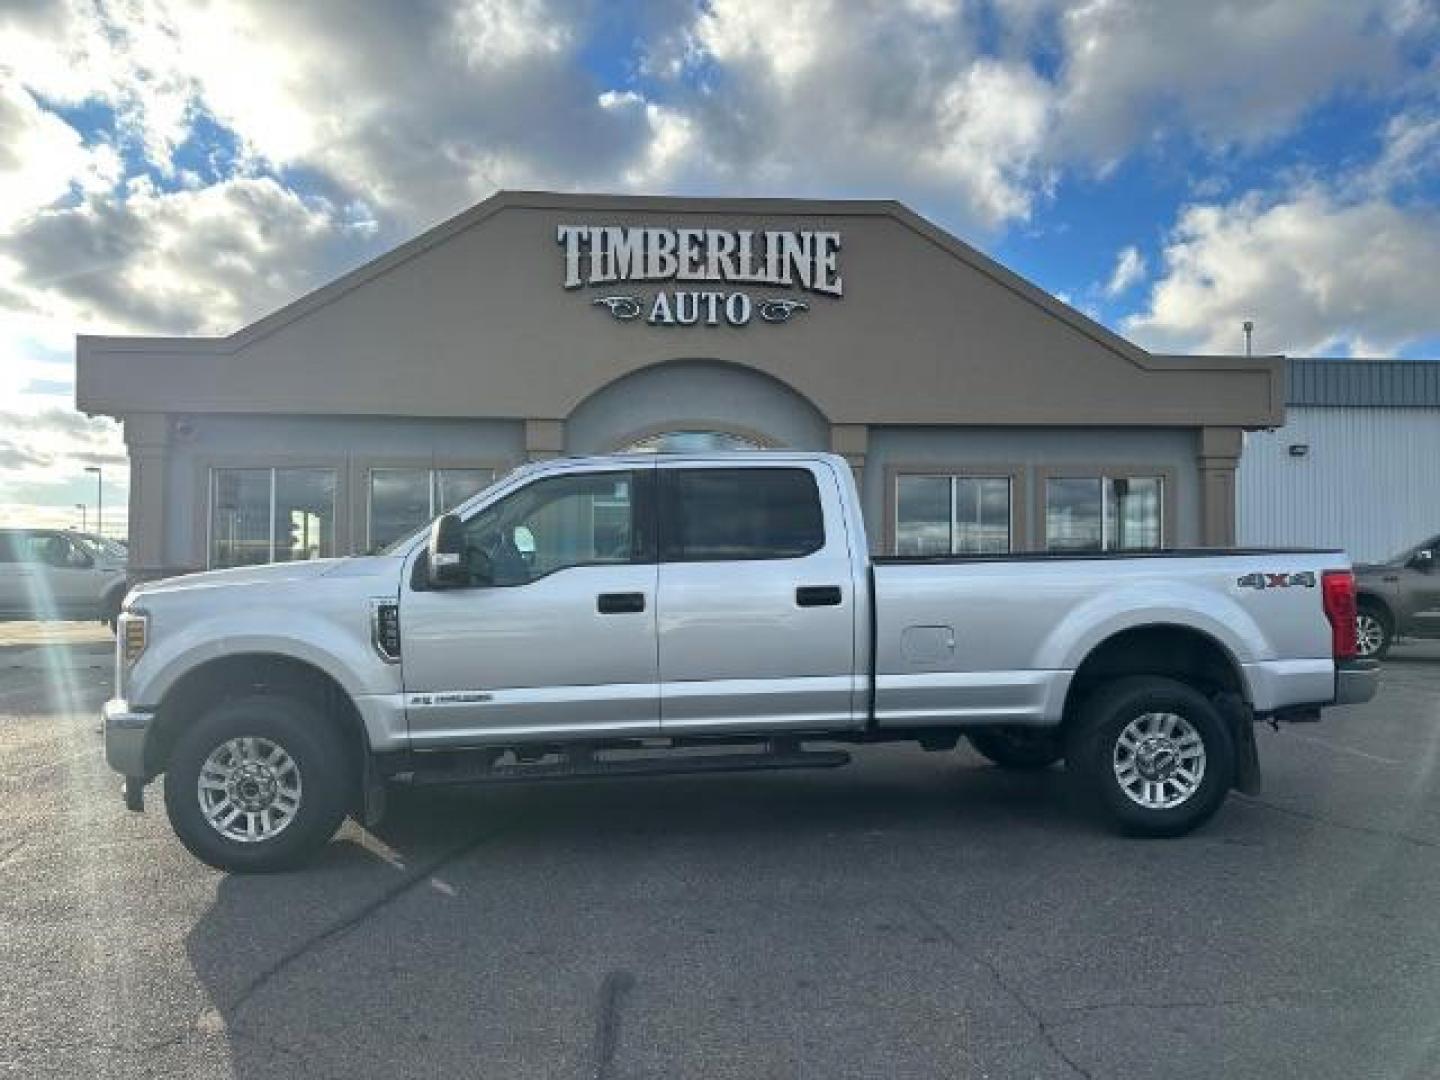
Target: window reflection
(271, 515)
(1104, 513)
(952, 515)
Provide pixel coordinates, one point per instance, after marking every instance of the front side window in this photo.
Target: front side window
(553, 524)
(721, 514)
(404, 500)
(271, 515)
(51, 549)
(1104, 513)
(952, 515)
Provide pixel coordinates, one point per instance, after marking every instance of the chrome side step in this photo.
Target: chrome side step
(583, 763)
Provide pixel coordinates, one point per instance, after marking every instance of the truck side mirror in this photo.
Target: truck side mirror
(1424, 560)
(445, 553)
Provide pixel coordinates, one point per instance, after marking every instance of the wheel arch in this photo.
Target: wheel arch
(1171, 650)
(112, 598)
(1367, 598)
(244, 674)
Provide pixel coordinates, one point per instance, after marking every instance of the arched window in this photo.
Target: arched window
(691, 442)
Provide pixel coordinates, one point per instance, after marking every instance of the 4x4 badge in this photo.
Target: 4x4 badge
(1304, 579)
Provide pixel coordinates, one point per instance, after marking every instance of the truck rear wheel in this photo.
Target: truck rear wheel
(1154, 753)
(256, 784)
(1374, 631)
(1019, 748)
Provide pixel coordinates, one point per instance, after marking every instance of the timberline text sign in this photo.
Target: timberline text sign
(803, 259)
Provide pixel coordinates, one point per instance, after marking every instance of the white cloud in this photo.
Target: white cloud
(819, 97)
(1317, 273)
(1129, 270)
(1340, 266)
(42, 158)
(204, 260)
(1227, 71)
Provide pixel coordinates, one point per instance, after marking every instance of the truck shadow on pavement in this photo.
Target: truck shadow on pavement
(498, 931)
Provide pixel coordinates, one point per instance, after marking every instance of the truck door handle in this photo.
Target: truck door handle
(620, 603)
(818, 595)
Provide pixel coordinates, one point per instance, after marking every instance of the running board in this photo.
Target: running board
(581, 766)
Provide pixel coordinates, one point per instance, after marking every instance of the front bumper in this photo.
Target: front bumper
(125, 732)
(1356, 681)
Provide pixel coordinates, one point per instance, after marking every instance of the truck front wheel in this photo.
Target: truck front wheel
(256, 784)
(1155, 754)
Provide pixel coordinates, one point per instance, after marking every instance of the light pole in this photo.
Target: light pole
(84, 521)
(99, 499)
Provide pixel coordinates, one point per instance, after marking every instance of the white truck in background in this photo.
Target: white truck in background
(50, 574)
(641, 614)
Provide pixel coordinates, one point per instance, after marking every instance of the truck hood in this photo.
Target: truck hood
(268, 575)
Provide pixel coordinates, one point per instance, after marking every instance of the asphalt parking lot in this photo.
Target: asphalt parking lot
(913, 915)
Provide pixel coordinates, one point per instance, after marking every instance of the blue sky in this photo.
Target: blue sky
(179, 166)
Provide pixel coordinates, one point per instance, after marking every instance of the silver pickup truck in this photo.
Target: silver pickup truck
(632, 615)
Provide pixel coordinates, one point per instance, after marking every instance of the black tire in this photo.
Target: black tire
(1019, 748)
(317, 753)
(1091, 755)
(1384, 625)
(110, 609)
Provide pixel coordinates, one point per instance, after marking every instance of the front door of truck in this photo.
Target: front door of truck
(757, 610)
(57, 575)
(556, 631)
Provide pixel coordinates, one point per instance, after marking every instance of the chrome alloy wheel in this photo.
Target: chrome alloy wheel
(1369, 634)
(249, 789)
(1159, 760)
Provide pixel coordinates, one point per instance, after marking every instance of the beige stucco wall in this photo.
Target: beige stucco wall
(472, 320)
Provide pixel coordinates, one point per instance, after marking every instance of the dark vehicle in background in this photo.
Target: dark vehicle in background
(1398, 598)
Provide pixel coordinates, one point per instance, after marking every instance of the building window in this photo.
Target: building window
(404, 500)
(271, 515)
(691, 442)
(952, 515)
(1104, 513)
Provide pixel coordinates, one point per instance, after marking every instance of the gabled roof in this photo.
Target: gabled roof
(413, 302)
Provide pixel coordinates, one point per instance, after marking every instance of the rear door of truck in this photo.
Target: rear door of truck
(757, 613)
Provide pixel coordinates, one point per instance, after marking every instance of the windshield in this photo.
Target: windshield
(103, 547)
(1406, 555)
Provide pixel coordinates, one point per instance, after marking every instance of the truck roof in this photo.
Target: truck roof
(649, 457)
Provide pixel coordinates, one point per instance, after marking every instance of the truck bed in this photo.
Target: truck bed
(999, 638)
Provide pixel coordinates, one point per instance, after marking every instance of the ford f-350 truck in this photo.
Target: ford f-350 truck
(619, 616)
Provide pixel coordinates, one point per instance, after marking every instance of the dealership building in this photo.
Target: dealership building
(978, 412)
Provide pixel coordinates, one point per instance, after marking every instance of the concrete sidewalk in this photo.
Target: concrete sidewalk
(38, 646)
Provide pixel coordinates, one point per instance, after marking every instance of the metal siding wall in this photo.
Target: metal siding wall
(1370, 483)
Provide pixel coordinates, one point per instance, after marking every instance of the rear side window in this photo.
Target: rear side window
(720, 514)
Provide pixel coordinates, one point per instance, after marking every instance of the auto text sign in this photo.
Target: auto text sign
(761, 261)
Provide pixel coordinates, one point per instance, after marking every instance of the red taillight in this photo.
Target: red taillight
(1338, 591)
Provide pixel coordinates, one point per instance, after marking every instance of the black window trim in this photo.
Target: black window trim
(668, 511)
